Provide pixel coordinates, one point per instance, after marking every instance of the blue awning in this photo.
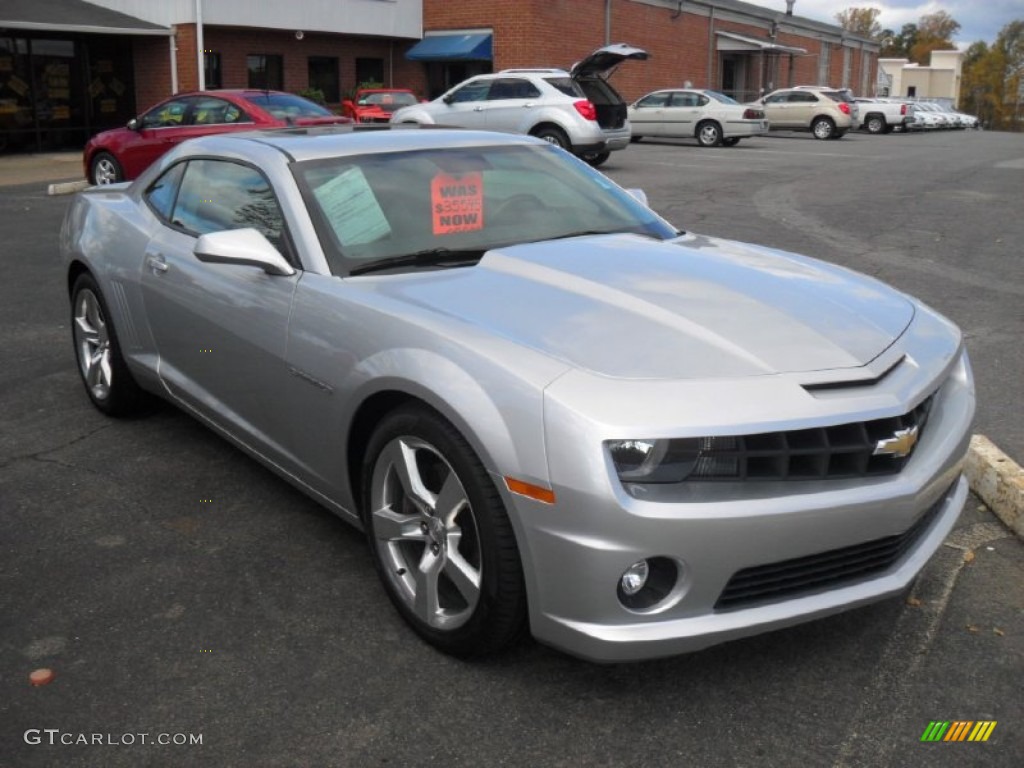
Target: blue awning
(475, 47)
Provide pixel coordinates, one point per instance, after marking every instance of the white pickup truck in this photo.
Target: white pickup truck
(882, 116)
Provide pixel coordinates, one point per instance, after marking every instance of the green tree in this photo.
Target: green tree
(992, 79)
(862, 22)
(897, 45)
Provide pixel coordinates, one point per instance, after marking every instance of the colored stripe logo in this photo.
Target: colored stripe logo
(958, 730)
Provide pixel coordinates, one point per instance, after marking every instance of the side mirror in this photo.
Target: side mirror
(242, 247)
(133, 124)
(638, 194)
(448, 98)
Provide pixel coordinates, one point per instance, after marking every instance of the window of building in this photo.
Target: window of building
(211, 69)
(266, 71)
(911, 91)
(369, 71)
(323, 76)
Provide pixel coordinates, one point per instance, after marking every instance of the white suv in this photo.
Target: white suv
(578, 110)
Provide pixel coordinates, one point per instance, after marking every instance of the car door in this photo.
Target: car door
(776, 108)
(220, 330)
(682, 114)
(801, 109)
(465, 107)
(648, 115)
(509, 103)
(156, 132)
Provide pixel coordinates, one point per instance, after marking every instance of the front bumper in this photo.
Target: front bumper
(576, 551)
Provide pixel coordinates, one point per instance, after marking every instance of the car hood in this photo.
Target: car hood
(626, 306)
(604, 59)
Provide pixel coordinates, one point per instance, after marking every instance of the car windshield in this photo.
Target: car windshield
(286, 105)
(389, 101)
(460, 200)
(721, 97)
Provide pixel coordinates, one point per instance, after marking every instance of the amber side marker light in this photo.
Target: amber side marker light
(530, 491)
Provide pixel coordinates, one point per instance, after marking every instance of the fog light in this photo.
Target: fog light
(635, 577)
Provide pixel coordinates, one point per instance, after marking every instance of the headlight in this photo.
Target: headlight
(654, 461)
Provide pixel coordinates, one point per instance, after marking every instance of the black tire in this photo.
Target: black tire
(473, 619)
(105, 169)
(553, 135)
(838, 134)
(709, 133)
(596, 159)
(108, 382)
(730, 142)
(875, 124)
(823, 128)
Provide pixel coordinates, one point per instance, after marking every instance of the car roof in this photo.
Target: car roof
(315, 143)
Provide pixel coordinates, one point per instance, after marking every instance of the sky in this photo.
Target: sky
(979, 19)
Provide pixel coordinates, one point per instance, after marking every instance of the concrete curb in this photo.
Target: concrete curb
(67, 187)
(998, 481)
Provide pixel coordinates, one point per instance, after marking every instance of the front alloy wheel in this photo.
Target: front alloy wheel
(823, 128)
(440, 537)
(92, 343)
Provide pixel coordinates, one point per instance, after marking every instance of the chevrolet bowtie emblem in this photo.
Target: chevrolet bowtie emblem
(899, 445)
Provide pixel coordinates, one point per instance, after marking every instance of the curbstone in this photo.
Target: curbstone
(998, 480)
(67, 187)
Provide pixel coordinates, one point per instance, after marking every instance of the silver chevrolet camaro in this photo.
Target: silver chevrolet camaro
(548, 408)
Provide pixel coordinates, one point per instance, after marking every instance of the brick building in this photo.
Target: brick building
(69, 68)
(737, 47)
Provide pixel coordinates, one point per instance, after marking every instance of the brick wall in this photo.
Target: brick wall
(532, 33)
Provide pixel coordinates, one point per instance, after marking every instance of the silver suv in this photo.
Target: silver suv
(578, 110)
(826, 112)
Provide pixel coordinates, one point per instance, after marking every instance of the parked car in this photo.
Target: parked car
(376, 105)
(546, 406)
(577, 110)
(824, 113)
(708, 116)
(122, 154)
(878, 116)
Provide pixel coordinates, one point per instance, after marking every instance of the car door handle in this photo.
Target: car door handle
(527, 105)
(156, 262)
(478, 109)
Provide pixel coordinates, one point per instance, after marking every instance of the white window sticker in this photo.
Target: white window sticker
(352, 209)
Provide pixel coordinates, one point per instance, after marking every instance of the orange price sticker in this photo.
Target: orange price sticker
(457, 203)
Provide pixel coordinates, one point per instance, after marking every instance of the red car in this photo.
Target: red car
(375, 105)
(123, 153)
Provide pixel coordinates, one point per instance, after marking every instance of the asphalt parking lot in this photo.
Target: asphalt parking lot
(177, 588)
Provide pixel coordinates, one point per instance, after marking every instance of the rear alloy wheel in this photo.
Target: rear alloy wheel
(107, 379)
(104, 169)
(730, 142)
(553, 135)
(709, 134)
(440, 537)
(596, 159)
(876, 124)
(823, 128)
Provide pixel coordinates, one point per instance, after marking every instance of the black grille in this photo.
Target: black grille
(815, 573)
(842, 451)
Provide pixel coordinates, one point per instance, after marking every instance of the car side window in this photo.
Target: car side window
(683, 100)
(212, 111)
(802, 97)
(164, 190)
(218, 194)
(170, 114)
(653, 101)
(512, 88)
(473, 91)
(777, 98)
(701, 100)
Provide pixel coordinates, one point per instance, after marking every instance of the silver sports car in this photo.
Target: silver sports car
(548, 408)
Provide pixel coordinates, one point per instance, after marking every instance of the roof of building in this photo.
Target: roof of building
(779, 15)
(73, 16)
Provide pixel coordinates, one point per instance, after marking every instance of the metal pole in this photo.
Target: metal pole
(607, 22)
(173, 40)
(200, 59)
